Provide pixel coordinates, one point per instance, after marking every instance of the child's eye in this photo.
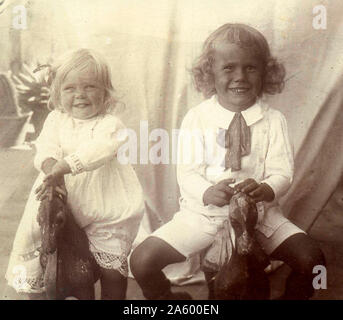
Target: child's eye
(68, 89)
(229, 68)
(251, 68)
(90, 87)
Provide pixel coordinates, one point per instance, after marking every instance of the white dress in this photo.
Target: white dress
(105, 196)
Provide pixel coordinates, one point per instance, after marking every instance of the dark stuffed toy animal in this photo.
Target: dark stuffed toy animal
(241, 276)
(70, 269)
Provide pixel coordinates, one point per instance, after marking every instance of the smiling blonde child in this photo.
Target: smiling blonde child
(76, 151)
(243, 145)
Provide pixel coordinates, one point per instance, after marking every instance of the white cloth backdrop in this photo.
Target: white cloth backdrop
(151, 45)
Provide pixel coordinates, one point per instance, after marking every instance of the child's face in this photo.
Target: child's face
(237, 76)
(81, 95)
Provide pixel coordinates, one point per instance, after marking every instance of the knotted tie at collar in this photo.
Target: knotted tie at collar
(237, 142)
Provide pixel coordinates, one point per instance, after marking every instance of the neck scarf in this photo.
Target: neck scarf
(237, 142)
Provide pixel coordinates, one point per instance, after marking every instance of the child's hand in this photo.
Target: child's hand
(55, 179)
(48, 165)
(220, 194)
(51, 180)
(258, 191)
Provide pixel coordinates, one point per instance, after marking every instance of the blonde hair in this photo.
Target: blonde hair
(245, 37)
(77, 60)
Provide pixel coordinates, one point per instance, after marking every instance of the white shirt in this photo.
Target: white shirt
(201, 154)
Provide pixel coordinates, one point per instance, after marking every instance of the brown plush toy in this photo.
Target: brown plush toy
(241, 262)
(70, 270)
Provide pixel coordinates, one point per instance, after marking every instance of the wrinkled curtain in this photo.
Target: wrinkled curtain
(151, 45)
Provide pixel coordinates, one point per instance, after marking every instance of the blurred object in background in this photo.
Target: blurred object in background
(33, 94)
(12, 121)
(3, 5)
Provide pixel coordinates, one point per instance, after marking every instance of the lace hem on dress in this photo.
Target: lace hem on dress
(112, 261)
(29, 285)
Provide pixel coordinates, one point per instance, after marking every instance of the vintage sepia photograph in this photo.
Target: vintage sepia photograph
(171, 150)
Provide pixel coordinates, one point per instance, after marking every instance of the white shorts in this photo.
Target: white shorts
(190, 233)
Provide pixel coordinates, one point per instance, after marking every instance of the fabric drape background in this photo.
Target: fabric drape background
(151, 45)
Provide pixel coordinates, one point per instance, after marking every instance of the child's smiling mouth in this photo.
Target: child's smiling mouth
(239, 90)
(81, 105)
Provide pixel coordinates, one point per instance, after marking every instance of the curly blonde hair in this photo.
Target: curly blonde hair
(77, 60)
(245, 37)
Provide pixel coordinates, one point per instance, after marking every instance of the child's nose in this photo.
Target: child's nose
(240, 74)
(79, 93)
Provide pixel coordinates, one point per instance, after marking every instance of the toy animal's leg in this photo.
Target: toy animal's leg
(259, 287)
(50, 276)
(209, 277)
(113, 285)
